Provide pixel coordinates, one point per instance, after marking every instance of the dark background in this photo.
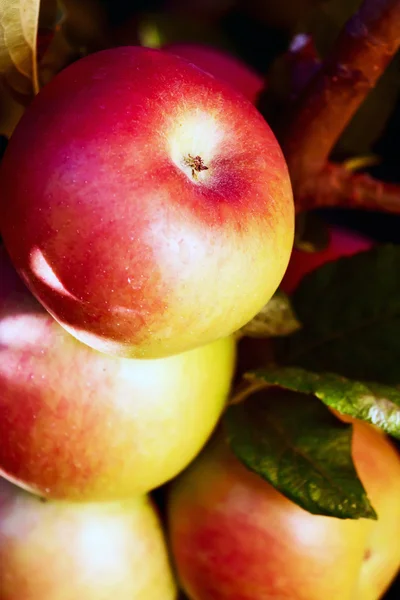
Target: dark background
(259, 40)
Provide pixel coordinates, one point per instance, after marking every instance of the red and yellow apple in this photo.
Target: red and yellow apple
(60, 550)
(221, 65)
(234, 537)
(78, 424)
(146, 204)
(342, 242)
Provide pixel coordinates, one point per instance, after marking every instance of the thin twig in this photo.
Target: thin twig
(361, 54)
(336, 186)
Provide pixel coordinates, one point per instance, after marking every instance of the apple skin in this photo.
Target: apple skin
(233, 536)
(61, 550)
(342, 242)
(221, 65)
(133, 251)
(78, 424)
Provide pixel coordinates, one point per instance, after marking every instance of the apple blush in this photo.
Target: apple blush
(80, 425)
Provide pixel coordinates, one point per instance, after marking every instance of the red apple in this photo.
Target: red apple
(76, 423)
(342, 242)
(234, 537)
(222, 65)
(65, 551)
(160, 213)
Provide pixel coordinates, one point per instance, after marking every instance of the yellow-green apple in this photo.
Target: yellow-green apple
(342, 242)
(59, 550)
(221, 65)
(146, 204)
(79, 424)
(235, 537)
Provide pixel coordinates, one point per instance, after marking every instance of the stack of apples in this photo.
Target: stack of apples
(146, 214)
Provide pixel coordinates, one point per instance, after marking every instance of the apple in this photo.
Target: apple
(222, 65)
(146, 204)
(342, 242)
(233, 536)
(61, 550)
(78, 424)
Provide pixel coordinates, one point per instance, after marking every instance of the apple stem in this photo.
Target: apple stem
(196, 164)
(336, 186)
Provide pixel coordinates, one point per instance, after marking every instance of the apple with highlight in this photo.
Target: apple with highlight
(160, 214)
(60, 550)
(234, 537)
(78, 424)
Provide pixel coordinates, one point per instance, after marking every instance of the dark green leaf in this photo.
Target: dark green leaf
(275, 319)
(296, 444)
(372, 402)
(350, 315)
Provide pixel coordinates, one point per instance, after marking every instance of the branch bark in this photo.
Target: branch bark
(336, 186)
(361, 54)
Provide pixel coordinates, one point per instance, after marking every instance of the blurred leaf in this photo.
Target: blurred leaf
(297, 445)
(275, 319)
(158, 29)
(350, 315)
(357, 163)
(18, 31)
(372, 402)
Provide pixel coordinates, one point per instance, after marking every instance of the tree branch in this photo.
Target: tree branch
(362, 52)
(336, 186)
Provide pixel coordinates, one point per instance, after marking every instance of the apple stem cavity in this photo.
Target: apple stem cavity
(196, 164)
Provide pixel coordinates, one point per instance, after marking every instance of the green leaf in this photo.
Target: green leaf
(372, 402)
(275, 319)
(350, 315)
(297, 445)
